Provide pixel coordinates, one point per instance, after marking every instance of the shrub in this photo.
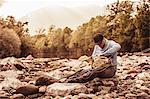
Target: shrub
(9, 43)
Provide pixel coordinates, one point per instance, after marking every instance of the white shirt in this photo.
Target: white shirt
(110, 49)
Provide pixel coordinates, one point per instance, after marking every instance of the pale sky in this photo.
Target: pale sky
(19, 8)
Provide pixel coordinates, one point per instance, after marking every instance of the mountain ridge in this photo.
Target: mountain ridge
(61, 16)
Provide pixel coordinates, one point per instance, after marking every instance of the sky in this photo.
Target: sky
(20, 8)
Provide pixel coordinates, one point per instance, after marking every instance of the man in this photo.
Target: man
(103, 47)
(108, 48)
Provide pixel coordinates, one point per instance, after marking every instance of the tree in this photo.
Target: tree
(142, 23)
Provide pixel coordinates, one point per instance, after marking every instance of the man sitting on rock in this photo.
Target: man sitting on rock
(108, 48)
(104, 61)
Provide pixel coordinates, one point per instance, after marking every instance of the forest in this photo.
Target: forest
(127, 23)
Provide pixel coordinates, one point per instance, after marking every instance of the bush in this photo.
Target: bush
(10, 43)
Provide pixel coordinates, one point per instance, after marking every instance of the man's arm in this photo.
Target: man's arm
(115, 47)
(97, 51)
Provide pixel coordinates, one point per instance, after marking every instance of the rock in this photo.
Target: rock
(45, 80)
(132, 96)
(67, 73)
(108, 83)
(139, 82)
(106, 88)
(17, 96)
(108, 96)
(4, 95)
(129, 76)
(83, 96)
(145, 89)
(68, 97)
(42, 89)
(102, 92)
(19, 66)
(34, 96)
(57, 97)
(30, 57)
(143, 64)
(132, 79)
(63, 89)
(27, 90)
(10, 80)
(143, 95)
(143, 76)
(32, 82)
(132, 71)
(146, 67)
(75, 97)
(138, 85)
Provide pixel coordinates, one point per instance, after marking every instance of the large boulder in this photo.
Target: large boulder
(27, 90)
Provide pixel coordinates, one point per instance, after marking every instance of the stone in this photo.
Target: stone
(143, 76)
(143, 95)
(10, 79)
(30, 57)
(129, 95)
(42, 89)
(27, 90)
(132, 71)
(139, 82)
(108, 83)
(68, 97)
(34, 96)
(64, 89)
(17, 96)
(145, 89)
(4, 95)
(83, 96)
(102, 92)
(46, 80)
(67, 73)
(146, 67)
(19, 66)
(138, 85)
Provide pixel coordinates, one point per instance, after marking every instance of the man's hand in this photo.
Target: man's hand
(90, 60)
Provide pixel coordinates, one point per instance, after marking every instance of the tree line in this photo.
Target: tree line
(127, 23)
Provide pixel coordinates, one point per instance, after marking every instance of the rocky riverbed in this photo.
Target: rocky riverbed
(42, 78)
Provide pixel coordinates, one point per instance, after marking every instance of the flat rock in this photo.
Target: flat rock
(64, 89)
